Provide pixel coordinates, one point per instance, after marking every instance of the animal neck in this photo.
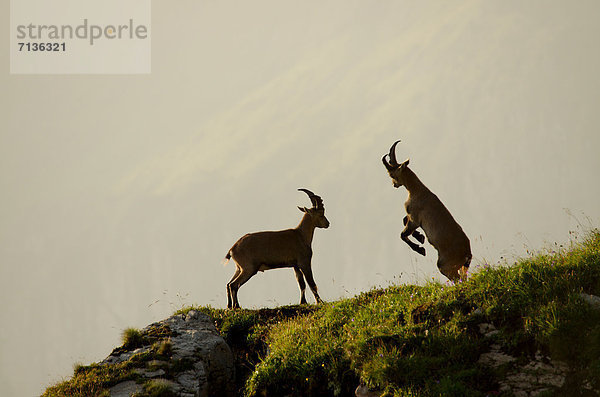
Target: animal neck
(412, 183)
(306, 228)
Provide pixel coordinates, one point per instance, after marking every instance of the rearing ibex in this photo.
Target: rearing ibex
(426, 211)
(262, 251)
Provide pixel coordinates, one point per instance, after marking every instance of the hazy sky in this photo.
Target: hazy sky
(121, 194)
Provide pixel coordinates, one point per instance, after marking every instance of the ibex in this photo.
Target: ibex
(424, 210)
(262, 251)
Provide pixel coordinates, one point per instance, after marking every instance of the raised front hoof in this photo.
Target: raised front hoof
(420, 250)
(420, 238)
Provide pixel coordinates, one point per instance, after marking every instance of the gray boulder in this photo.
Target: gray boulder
(199, 362)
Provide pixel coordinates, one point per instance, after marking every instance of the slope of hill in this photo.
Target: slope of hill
(532, 328)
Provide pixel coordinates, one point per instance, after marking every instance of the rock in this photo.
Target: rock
(125, 389)
(536, 377)
(477, 312)
(488, 330)
(197, 341)
(150, 374)
(118, 356)
(495, 357)
(363, 391)
(592, 300)
(531, 379)
(199, 362)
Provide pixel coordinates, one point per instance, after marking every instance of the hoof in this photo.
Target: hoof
(420, 238)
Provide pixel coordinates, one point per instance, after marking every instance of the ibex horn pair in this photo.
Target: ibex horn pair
(393, 163)
(317, 201)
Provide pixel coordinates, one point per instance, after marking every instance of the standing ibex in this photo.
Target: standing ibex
(262, 251)
(426, 211)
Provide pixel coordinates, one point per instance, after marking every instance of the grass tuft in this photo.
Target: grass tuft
(157, 388)
(132, 338)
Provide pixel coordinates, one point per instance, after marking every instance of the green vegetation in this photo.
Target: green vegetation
(93, 380)
(96, 379)
(425, 340)
(132, 338)
(412, 340)
(157, 388)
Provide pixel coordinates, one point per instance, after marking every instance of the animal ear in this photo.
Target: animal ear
(405, 163)
(302, 209)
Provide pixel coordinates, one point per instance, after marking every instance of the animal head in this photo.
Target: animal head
(395, 170)
(317, 212)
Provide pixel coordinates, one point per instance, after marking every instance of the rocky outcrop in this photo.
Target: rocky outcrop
(183, 354)
(522, 376)
(537, 376)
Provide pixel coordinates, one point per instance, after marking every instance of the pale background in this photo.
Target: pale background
(120, 195)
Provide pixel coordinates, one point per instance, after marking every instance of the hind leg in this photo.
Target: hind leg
(235, 285)
(455, 270)
(451, 274)
(464, 269)
(463, 273)
(237, 273)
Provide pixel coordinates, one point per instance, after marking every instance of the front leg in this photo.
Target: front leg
(410, 229)
(301, 284)
(418, 236)
(307, 271)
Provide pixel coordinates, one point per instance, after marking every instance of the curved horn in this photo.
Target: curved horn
(393, 161)
(387, 165)
(317, 202)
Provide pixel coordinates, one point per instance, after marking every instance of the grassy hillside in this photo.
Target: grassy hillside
(427, 340)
